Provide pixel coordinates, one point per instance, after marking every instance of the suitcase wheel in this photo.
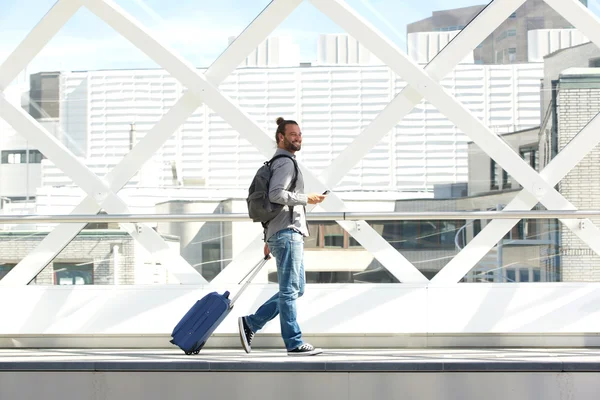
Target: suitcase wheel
(199, 348)
(188, 353)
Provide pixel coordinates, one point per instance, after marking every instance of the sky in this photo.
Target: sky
(198, 30)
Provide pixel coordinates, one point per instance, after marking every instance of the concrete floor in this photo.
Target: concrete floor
(455, 360)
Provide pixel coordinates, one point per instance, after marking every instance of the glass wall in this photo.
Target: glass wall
(131, 132)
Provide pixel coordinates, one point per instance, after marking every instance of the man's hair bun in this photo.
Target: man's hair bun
(280, 121)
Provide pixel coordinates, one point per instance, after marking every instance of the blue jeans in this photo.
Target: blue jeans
(287, 246)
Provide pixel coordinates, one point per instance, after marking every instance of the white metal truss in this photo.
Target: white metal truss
(491, 17)
(422, 83)
(404, 102)
(37, 39)
(246, 127)
(493, 145)
(586, 22)
(494, 231)
(34, 262)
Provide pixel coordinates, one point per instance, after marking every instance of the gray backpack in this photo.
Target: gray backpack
(260, 208)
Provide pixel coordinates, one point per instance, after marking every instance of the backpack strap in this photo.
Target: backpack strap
(294, 179)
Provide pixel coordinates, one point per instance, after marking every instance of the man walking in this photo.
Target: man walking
(284, 238)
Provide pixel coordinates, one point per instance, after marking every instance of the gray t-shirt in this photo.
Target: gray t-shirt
(282, 173)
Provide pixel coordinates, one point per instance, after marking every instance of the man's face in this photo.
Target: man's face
(292, 140)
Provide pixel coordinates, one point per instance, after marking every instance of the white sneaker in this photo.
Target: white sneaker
(304, 350)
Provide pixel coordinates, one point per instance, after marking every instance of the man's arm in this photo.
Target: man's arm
(282, 173)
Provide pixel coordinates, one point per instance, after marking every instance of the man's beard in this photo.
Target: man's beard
(289, 146)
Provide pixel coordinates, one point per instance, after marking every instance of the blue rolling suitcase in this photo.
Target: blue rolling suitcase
(199, 323)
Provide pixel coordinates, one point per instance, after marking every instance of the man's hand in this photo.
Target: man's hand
(315, 198)
(267, 252)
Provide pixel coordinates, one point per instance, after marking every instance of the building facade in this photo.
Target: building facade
(113, 110)
(509, 43)
(577, 102)
(343, 49)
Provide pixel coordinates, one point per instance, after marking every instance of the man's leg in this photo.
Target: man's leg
(288, 250)
(265, 313)
(287, 246)
(291, 286)
(251, 324)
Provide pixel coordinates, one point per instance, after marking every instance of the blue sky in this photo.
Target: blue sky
(198, 30)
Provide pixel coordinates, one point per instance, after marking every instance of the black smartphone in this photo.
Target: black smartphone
(325, 193)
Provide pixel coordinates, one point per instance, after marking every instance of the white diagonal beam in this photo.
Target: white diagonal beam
(98, 191)
(455, 111)
(35, 41)
(444, 62)
(484, 24)
(62, 234)
(589, 24)
(242, 123)
(249, 39)
(493, 232)
(49, 145)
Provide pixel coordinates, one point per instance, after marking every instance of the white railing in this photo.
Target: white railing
(320, 216)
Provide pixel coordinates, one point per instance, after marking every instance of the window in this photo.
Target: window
(531, 230)
(525, 229)
(505, 34)
(483, 276)
(329, 235)
(35, 157)
(499, 57)
(13, 157)
(535, 23)
(5, 269)
(494, 181)
(529, 154)
(511, 275)
(512, 54)
(523, 275)
(211, 260)
(505, 181)
(594, 63)
(399, 234)
(476, 227)
(409, 235)
(73, 274)
(20, 157)
(513, 15)
(333, 235)
(449, 28)
(421, 234)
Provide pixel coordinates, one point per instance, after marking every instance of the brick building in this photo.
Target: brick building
(94, 257)
(577, 103)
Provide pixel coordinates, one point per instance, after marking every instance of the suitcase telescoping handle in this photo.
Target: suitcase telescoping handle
(253, 272)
